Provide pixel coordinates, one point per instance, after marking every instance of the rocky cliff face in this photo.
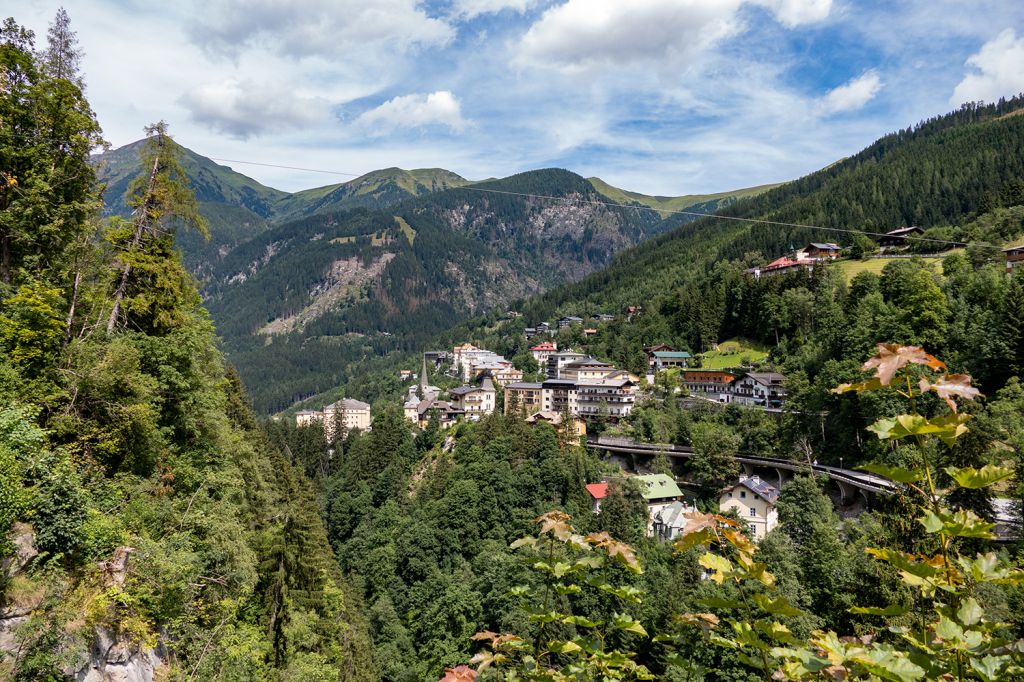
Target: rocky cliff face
(90, 653)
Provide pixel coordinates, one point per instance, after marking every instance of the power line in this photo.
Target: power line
(640, 207)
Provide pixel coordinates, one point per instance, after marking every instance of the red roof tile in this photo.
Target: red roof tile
(597, 490)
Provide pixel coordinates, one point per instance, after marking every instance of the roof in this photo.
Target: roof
(306, 412)
(758, 487)
(546, 345)
(350, 404)
(598, 490)
(1014, 248)
(657, 347)
(672, 515)
(525, 385)
(828, 246)
(571, 317)
(559, 383)
(767, 378)
(462, 390)
(658, 487)
(545, 415)
(899, 232)
(586, 362)
(783, 262)
(682, 354)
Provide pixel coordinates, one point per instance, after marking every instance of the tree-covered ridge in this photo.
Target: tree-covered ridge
(441, 257)
(145, 521)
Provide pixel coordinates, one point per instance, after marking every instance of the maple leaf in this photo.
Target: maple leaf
(616, 550)
(557, 523)
(949, 385)
(485, 635)
(462, 673)
(696, 521)
(891, 358)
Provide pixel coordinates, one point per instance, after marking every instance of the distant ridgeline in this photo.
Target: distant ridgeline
(304, 285)
(956, 176)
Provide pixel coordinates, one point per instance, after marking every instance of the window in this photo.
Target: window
(753, 512)
(743, 494)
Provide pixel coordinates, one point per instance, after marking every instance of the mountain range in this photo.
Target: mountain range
(304, 286)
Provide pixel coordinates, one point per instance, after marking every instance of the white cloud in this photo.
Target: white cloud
(243, 109)
(469, 9)
(415, 111)
(1000, 71)
(582, 35)
(317, 28)
(793, 13)
(851, 95)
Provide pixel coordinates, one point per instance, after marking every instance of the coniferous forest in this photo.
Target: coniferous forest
(155, 527)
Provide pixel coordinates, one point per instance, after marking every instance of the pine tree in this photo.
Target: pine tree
(152, 285)
(62, 57)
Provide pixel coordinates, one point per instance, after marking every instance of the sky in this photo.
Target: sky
(664, 97)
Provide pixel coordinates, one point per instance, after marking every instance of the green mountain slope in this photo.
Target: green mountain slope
(301, 302)
(703, 203)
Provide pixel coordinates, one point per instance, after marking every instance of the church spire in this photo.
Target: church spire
(424, 384)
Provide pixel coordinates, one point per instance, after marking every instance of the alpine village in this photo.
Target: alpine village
(414, 427)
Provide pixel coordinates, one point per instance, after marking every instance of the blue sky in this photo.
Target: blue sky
(658, 96)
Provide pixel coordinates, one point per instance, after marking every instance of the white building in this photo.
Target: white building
(754, 501)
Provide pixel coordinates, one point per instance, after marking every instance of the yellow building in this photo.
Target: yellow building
(754, 501)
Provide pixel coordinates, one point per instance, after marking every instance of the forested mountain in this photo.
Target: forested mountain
(302, 284)
(303, 300)
(147, 526)
(239, 208)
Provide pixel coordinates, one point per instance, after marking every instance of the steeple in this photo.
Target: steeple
(424, 383)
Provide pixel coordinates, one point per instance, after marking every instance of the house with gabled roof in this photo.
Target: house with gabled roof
(821, 251)
(754, 501)
(665, 359)
(1014, 258)
(760, 389)
(898, 237)
(475, 400)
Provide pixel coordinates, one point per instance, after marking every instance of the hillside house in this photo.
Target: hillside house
(589, 331)
(633, 311)
(715, 384)
(760, 389)
(437, 357)
(603, 317)
(898, 238)
(670, 522)
(664, 359)
(614, 395)
(659, 491)
(568, 321)
(577, 427)
(650, 350)
(557, 361)
(542, 351)
(820, 251)
(754, 501)
(475, 400)
(405, 375)
(597, 491)
(1014, 258)
(781, 266)
(528, 396)
(419, 412)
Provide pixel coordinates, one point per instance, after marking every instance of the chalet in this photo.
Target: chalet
(527, 396)
(603, 317)
(659, 491)
(542, 329)
(405, 374)
(577, 427)
(821, 251)
(781, 266)
(585, 369)
(897, 238)
(475, 400)
(665, 359)
(589, 331)
(714, 383)
(655, 348)
(760, 389)
(568, 321)
(754, 501)
(1014, 258)
(542, 350)
(557, 361)
(632, 311)
(437, 357)
(349, 413)
(614, 395)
